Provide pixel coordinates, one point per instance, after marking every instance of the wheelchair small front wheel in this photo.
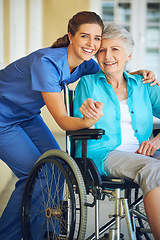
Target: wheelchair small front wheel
(54, 197)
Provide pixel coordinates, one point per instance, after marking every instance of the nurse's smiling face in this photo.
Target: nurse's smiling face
(86, 42)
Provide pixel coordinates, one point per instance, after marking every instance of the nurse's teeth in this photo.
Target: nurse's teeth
(88, 50)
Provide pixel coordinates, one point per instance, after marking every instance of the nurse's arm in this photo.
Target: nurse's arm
(55, 104)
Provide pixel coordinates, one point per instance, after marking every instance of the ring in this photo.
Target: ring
(148, 153)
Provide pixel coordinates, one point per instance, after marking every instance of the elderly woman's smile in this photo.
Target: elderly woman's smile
(112, 56)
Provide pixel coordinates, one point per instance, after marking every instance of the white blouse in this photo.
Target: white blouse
(129, 141)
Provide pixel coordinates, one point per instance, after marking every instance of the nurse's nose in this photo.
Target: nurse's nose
(90, 42)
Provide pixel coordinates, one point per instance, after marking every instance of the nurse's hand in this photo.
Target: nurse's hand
(91, 121)
(92, 109)
(149, 147)
(148, 76)
(55, 104)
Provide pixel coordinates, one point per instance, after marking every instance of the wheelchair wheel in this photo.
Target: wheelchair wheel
(142, 226)
(54, 197)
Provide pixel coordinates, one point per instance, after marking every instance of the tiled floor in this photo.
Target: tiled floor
(106, 207)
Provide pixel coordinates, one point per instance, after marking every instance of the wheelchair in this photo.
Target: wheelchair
(55, 204)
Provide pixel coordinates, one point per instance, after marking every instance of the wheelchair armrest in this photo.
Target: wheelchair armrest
(156, 131)
(86, 134)
(156, 128)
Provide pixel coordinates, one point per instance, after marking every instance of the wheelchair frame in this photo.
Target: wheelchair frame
(81, 177)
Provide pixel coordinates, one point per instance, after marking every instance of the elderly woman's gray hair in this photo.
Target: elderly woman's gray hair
(113, 30)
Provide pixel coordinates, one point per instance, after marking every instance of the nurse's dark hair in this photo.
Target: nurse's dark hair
(74, 24)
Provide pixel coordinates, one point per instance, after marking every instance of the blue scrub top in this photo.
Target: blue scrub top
(22, 81)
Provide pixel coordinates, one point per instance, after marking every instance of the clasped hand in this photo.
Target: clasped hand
(92, 110)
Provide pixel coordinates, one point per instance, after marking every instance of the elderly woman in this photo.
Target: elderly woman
(128, 109)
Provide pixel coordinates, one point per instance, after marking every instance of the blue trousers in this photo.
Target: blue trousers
(20, 147)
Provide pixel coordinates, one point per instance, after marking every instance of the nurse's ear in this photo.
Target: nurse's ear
(70, 37)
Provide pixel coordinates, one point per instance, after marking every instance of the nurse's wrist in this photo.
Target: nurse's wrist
(88, 122)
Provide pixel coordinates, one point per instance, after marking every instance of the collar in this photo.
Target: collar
(128, 77)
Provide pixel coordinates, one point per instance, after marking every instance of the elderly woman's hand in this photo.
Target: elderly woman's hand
(149, 147)
(92, 109)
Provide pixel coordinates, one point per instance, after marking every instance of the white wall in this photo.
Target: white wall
(17, 29)
(35, 25)
(1, 35)
(5, 172)
(17, 50)
(5, 175)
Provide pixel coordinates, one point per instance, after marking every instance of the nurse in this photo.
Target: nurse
(29, 83)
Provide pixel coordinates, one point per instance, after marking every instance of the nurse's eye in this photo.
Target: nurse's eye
(84, 36)
(102, 50)
(98, 38)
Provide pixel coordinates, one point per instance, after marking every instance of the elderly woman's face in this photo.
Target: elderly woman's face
(112, 56)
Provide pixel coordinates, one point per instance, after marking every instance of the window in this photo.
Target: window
(142, 18)
(152, 51)
(108, 11)
(114, 11)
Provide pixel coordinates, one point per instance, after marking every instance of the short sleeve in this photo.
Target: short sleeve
(45, 75)
(154, 92)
